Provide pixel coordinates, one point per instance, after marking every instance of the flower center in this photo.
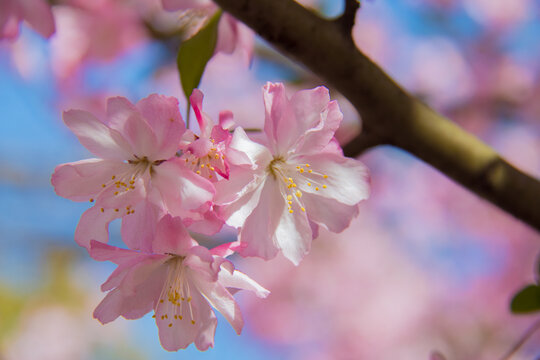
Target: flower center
(126, 181)
(291, 177)
(207, 166)
(175, 298)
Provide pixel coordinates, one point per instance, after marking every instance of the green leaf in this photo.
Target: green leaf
(195, 52)
(526, 300)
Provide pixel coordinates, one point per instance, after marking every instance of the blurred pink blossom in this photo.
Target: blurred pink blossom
(499, 13)
(37, 13)
(93, 30)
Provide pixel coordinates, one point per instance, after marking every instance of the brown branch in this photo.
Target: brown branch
(386, 109)
(364, 141)
(346, 20)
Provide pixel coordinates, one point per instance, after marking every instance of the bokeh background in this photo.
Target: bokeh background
(427, 266)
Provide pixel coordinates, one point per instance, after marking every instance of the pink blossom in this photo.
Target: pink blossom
(179, 280)
(205, 153)
(37, 13)
(136, 176)
(278, 195)
(94, 30)
(232, 34)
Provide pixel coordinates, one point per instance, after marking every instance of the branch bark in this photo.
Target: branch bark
(388, 112)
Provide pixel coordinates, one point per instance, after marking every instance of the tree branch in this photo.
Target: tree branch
(346, 20)
(387, 110)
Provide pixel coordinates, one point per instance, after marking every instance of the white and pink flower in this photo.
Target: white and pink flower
(179, 280)
(279, 194)
(136, 175)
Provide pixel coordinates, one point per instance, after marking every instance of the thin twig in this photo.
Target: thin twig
(530, 331)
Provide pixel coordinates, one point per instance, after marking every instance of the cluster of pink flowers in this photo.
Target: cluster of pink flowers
(163, 181)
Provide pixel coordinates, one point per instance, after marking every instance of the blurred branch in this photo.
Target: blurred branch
(364, 141)
(346, 20)
(530, 331)
(388, 111)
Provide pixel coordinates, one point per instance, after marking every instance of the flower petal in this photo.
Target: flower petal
(180, 188)
(94, 225)
(241, 182)
(83, 180)
(122, 197)
(102, 141)
(255, 155)
(207, 223)
(330, 213)
(307, 113)
(227, 34)
(39, 16)
(142, 294)
(275, 105)
(256, 233)
(103, 252)
(218, 296)
(235, 213)
(139, 227)
(293, 235)
(194, 322)
(322, 129)
(163, 116)
(124, 117)
(226, 120)
(239, 280)
(347, 179)
(201, 263)
(126, 259)
(205, 124)
(172, 237)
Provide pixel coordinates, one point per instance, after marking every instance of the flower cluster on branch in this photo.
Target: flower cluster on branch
(162, 180)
